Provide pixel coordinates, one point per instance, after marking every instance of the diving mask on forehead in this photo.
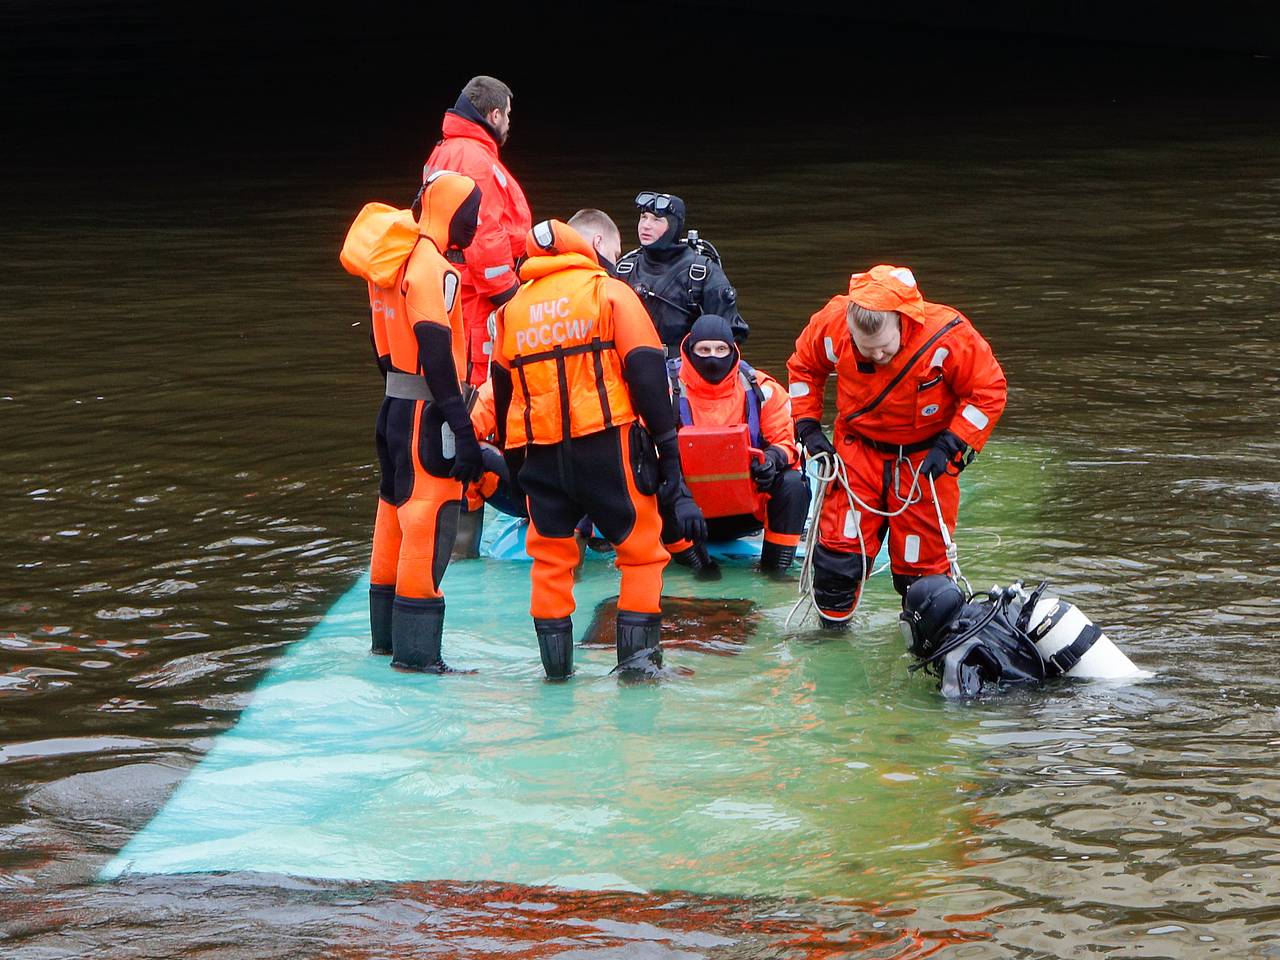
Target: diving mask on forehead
(656, 203)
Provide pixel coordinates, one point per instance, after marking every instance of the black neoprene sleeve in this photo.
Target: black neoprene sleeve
(645, 370)
(501, 378)
(435, 353)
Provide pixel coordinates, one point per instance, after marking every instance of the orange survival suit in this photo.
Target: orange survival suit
(723, 392)
(923, 414)
(488, 268)
(427, 450)
(576, 360)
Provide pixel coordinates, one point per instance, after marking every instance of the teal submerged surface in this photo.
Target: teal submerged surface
(786, 767)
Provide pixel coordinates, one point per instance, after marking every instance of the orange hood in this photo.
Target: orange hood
(886, 287)
(553, 245)
(449, 200)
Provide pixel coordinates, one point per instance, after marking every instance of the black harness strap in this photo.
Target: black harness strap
(1029, 606)
(955, 321)
(528, 419)
(1071, 654)
(595, 346)
(893, 448)
(1050, 621)
(566, 427)
(601, 392)
(698, 272)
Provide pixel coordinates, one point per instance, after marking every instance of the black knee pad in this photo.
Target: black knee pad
(837, 578)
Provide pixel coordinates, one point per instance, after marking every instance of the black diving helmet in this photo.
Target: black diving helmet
(930, 606)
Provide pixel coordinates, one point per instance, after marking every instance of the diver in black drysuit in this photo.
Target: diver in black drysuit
(675, 280)
(981, 644)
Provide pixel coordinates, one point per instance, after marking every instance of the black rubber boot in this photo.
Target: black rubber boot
(639, 654)
(699, 561)
(416, 629)
(776, 560)
(555, 643)
(380, 599)
(466, 546)
(837, 582)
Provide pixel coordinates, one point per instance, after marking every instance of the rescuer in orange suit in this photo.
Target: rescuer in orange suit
(713, 386)
(474, 129)
(918, 392)
(427, 450)
(577, 361)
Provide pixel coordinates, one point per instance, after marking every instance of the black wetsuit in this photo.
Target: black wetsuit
(678, 284)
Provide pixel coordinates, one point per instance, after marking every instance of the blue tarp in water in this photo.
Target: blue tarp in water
(802, 765)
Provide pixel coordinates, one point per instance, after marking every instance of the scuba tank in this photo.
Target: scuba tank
(1070, 641)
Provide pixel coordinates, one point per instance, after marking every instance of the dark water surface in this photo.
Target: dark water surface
(186, 402)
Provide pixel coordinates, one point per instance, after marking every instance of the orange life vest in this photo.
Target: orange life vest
(558, 341)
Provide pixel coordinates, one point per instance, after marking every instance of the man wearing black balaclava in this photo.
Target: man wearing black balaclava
(714, 387)
(678, 279)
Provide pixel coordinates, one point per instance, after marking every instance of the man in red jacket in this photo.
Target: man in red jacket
(918, 391)
(473, 130)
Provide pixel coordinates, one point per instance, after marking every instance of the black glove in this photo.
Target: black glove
(673, 494)
(946, 452)
(688, 516)
(468, 460)
(765, 472)
(468, 463)
(809, 432)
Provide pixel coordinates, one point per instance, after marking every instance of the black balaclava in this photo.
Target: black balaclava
(462, 225)
(711, 327)
(467, 110)
(668, 245)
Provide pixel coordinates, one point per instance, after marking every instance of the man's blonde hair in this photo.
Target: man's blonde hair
(867, 321)
(590, 221)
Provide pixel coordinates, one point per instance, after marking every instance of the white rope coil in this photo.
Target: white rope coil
(826, 469)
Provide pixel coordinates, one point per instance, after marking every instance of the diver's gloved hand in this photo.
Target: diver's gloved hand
(809, 432)
(468, 464)
(468, 459)
(688, 517)
(947, 451)
(765, 472)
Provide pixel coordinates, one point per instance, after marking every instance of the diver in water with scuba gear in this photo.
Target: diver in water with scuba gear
(678, 278)
(978, 644)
